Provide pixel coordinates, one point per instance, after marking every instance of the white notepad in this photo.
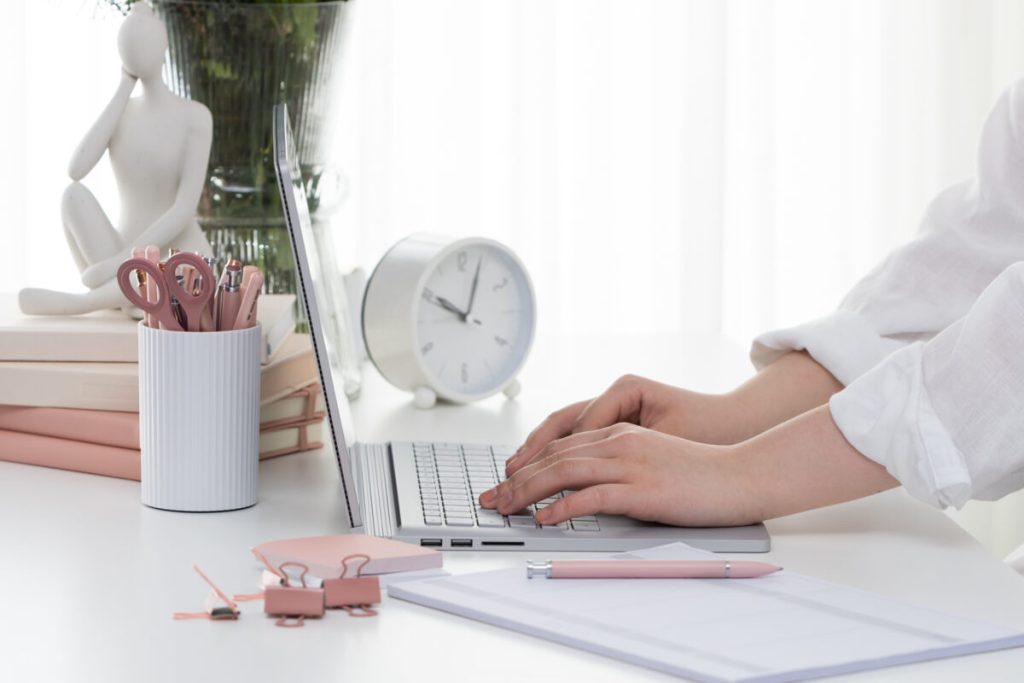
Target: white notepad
(781, 627)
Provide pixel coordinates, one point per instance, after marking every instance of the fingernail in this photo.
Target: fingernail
(542, 515)
(487, 497)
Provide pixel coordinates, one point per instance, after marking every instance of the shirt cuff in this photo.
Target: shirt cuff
(844, 343)
(888, 416)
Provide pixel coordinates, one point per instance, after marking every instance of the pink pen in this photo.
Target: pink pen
(229, 297)
(649, 569)
(153, 256)
(250, 293)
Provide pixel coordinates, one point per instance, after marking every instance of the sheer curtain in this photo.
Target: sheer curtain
(667, 165)
(662, 166)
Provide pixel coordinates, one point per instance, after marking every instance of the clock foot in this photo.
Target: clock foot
(424, 398)
(513, 389)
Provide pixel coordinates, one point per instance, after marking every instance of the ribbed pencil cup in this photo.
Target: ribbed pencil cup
(199, 418)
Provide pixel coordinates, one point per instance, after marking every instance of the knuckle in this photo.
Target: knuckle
(547, 452)
(624, 381)
(566, 468)
(596, 497)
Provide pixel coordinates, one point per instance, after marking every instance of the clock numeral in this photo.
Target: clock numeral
(500, 285)
(500, 341)
(462, 259)
(464, 373)
(426, 348)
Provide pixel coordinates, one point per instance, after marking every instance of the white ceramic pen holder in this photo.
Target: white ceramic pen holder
(199, 418)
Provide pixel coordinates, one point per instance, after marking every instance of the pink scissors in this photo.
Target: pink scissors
(163, 287)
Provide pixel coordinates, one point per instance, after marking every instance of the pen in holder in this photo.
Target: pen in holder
(199, 418)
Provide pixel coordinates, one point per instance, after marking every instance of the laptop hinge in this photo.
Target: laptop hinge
(373, 467)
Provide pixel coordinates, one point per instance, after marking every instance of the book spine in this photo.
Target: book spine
(103, 427)
(77, 456)
(62, 387)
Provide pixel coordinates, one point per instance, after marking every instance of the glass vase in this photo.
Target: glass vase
(240, 59)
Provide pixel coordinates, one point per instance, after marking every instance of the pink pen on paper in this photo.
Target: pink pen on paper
(649, 569)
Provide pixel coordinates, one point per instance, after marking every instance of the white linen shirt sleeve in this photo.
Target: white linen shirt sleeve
(969, 235)
(946, 417)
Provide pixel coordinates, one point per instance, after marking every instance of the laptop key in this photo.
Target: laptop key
(580, 525)
(460, 521)
(432, 520)
(522, 521)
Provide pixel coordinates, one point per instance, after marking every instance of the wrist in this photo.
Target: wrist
(744, 491)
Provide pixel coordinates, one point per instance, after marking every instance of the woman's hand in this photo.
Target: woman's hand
(788, 387)
(629, 470)
(801, 464)
(637, 401)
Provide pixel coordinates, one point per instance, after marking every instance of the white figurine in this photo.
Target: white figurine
(159, 147)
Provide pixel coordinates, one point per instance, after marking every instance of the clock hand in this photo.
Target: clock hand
(441, 302)
(449, 306)
(472, 291)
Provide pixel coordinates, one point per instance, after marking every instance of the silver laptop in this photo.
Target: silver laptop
(426, 493)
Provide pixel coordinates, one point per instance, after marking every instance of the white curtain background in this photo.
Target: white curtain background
(661, 166)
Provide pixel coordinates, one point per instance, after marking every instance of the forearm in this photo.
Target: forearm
(96, 141)
(788, 387)
(802, 464)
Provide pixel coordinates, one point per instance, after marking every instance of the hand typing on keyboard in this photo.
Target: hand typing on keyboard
(608, 453)
(451, 477)
(627, 470)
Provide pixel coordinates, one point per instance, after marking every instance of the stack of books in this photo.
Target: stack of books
(69, 394)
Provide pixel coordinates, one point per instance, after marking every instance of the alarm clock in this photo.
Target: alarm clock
(449, 318)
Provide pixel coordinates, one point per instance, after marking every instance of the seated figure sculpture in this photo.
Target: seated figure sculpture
(159, 148)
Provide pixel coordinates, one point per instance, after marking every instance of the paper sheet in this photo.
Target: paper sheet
(781, 627)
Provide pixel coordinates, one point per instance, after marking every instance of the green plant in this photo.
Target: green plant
(240, 58)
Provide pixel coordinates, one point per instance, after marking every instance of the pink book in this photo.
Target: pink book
(105, 427)
(124, 463)
(80, 456)
(301, 408)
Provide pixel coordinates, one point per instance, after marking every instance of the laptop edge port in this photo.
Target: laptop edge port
(462, 542)
(431, 542)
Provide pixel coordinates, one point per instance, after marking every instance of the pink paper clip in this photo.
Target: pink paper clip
(293, 602)
(213, 613)
(353, 593)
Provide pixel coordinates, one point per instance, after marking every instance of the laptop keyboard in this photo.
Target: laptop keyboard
(452, 477)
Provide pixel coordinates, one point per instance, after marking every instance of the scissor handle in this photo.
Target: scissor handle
(160, 307)
(193, 301)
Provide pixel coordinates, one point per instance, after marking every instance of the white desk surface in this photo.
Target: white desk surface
(89, 577)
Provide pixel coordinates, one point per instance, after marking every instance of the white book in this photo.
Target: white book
(115, 386)
(781, 627)
(112, 336)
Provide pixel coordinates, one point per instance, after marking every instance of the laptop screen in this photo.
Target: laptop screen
(312, 288)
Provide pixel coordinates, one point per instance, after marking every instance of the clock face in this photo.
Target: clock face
(474, 320)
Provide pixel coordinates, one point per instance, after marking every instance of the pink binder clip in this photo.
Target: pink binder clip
(353, 594)
(293, 602)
